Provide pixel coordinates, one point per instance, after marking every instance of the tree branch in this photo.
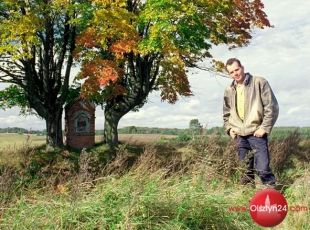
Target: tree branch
(69, 64)
(211, 70)
(66, 35)
(8, 73)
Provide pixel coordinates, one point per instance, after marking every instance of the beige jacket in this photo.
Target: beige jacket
(261, 107)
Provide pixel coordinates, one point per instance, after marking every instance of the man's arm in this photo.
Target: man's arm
(226, 112)
(271, 107)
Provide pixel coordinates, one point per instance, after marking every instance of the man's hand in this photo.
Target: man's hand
(232, 133)
(259, 133)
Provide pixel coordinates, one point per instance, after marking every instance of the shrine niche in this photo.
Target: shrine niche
(80, 124)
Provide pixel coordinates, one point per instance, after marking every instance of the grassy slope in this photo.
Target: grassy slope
(169, 186)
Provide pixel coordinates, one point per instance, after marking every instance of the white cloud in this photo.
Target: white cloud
(11, 118)
(294, 110)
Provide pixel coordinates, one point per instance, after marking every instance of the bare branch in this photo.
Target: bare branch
(210, 70)
(10, 74)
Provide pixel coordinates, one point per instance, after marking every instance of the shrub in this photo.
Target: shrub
(183, 137)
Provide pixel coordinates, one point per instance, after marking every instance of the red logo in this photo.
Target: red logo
(268, 208)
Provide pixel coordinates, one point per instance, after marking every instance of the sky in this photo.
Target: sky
(279, 54)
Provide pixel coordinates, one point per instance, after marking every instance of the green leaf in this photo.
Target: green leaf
(13, 96)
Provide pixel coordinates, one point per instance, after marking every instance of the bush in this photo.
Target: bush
(183, 137)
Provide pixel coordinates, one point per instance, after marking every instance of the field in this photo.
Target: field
(143, 138)
(153, 182)
(13, 140)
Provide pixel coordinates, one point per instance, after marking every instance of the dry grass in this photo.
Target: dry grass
(143, 138)
(14, 141)
(281, 150)
(203, 154)
(161, 184)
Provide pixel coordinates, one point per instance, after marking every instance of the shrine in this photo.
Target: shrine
(80, 124)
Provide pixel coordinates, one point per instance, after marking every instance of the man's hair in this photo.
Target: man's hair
(230, 61)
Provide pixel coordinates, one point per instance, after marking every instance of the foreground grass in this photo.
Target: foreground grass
(145, 202)
(162, 186)
(132, 202)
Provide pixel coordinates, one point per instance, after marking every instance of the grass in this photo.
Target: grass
(13, 140)
(164, 185)
(133, 201)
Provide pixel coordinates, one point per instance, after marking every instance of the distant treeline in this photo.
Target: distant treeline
(145, 130)
(277, 132)
(165, 131)
(22, 131)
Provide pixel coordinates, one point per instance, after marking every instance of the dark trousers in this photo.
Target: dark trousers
(253, 151)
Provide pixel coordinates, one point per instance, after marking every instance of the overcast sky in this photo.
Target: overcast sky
(279, 54)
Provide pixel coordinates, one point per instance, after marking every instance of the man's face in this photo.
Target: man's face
(236, 72)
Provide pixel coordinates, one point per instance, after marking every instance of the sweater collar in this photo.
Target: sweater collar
(246, 80)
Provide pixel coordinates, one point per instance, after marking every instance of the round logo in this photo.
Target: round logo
(268, 207)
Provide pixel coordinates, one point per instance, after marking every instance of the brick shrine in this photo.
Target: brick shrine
(80, 124)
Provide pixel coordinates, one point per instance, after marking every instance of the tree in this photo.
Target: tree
(133, 47)
(132, 129)
(37, 40)
(195, 127)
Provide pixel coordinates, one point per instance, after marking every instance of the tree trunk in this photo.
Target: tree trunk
(141, 83)
(110, 134)
(54, 137)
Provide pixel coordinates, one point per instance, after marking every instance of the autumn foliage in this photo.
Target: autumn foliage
(173, 35)
(99, 72)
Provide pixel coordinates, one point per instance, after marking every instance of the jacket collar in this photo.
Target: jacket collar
(246, 81)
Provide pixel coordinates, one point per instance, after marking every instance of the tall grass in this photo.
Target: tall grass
(136, 200)
(166, 185)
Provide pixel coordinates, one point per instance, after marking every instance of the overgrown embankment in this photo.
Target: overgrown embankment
(165, 185)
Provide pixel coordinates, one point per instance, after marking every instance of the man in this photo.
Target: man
(250, 110)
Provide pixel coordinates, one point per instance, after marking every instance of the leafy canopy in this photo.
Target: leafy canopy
(35, 46)
(173, 34)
